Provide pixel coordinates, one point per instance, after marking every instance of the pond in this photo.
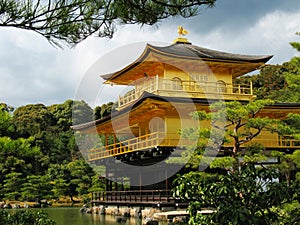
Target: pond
(72, 216)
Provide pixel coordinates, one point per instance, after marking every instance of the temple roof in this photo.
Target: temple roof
(146, 96)
(187, 51)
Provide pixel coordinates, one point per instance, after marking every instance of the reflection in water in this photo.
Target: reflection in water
(72, 216)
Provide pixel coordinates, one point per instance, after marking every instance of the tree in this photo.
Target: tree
(36, 188)
(280, 83)
(72, 179)
(239, 191)
(32, 119)
(231, 122)
(5, 107)
(71, 112)
(289, 212)
(243, 197)
(81, 175)
(71, 21)
(6, 124)
(296, 45)
(12, 186)
(104, 110)
(18, 159)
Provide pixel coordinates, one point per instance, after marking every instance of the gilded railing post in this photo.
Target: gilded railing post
(251, 89)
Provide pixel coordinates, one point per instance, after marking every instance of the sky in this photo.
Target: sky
(33, 71)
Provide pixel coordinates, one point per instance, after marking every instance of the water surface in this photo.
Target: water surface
(72, 216)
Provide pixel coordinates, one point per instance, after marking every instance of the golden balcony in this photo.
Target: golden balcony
(160, 139)
(189, 89)
(144, 142)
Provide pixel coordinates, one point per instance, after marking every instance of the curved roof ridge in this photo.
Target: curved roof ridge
(190, 50)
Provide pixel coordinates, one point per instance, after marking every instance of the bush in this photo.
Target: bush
(25, 217)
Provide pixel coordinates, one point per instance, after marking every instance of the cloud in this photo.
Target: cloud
(238, 15)
(33, 71)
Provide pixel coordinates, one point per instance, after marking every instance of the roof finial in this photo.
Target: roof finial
(180, 39)
(181, 31)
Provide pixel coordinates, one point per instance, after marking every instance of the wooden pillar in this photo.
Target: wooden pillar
(106, 139)
(122, 184)
(106, 178)
(166, 175)
(115, 139)
(110, 185)
(116, 186)
(140, 177)
(140, 130)
(106, 185)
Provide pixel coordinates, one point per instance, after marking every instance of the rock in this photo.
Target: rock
(16, 206)
(102, 210)
(109, 211)
(117, 212)
(84, 208)
(150, 221)
(124, 212)
(89, 211)
(26, 206)
(178, 220)
(120, 219)
(96, 209)
(7, 206)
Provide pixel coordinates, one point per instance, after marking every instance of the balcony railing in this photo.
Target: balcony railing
(133, 196)
(163, 140)
(134, 144)
(193, 89)
(136, 198)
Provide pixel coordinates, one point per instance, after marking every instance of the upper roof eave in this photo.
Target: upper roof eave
(147, 95)
(192, 52)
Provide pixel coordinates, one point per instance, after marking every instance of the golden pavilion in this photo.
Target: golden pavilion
(167, 84)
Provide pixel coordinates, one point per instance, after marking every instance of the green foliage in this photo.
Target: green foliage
(12, 186)
(41, 141)
(25, 217)
(104, 110)
(71, 112)
(97, 184)
(81, 112)
(225, 162)
(230, 122)
(72, 179)
(289, 213)
(18, 159)
(296, 45)
(280, 83)
(32, 119)
(72, 21)
(6, 125)
(245, 194)
(36, 188)
(240, 197)
(5, 107)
